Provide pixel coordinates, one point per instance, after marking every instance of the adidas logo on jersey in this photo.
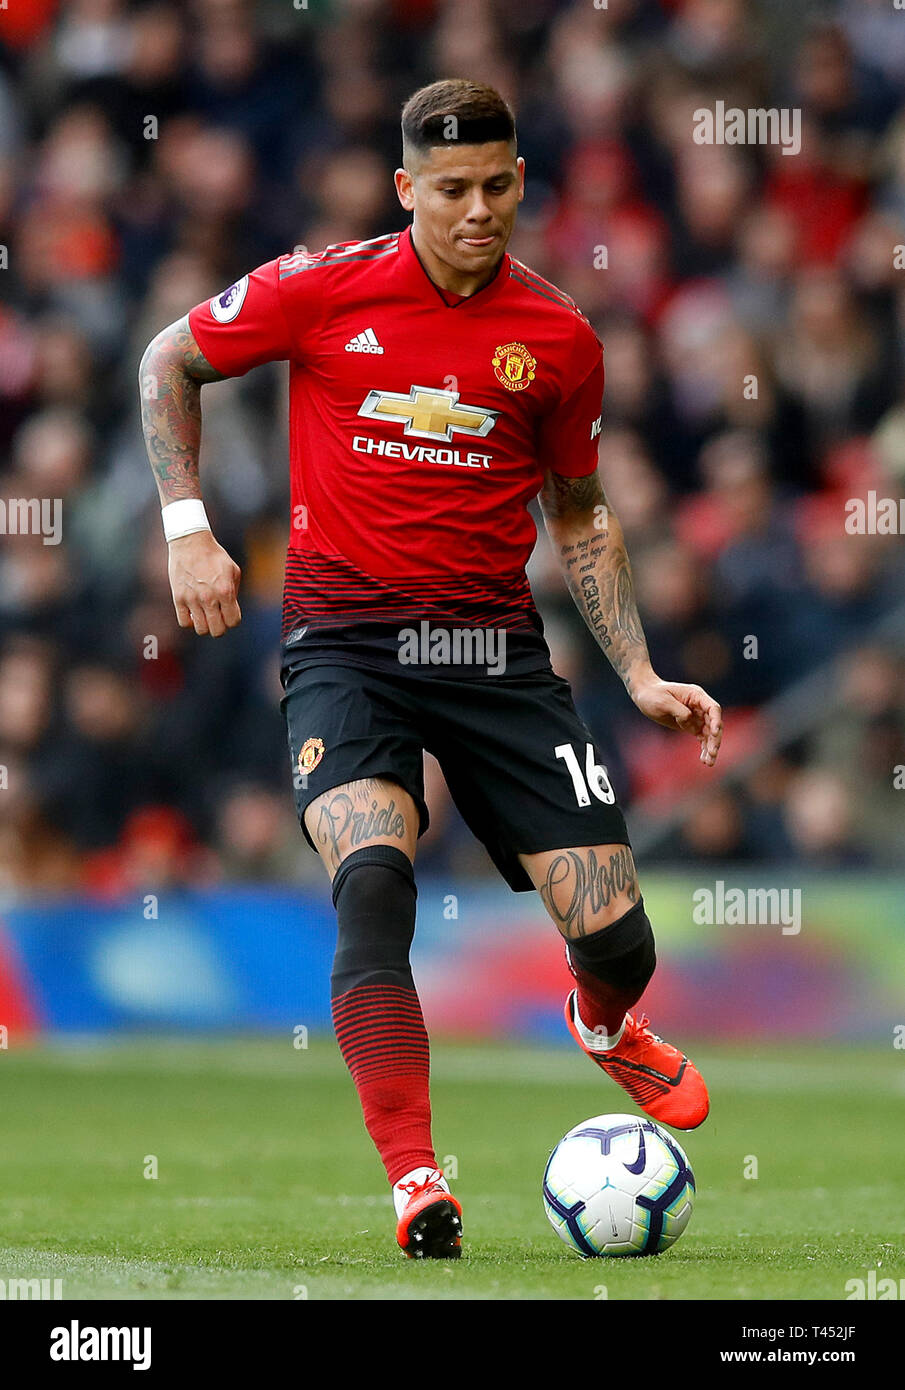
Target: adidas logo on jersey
(364, 342)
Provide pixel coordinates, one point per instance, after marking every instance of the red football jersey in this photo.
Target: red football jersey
(421, 425)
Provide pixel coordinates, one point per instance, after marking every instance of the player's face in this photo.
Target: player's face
(464, 198)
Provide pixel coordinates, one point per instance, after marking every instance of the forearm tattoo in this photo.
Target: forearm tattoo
(171, 375)
(594, 561)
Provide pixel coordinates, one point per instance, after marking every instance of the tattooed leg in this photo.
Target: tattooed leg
(592, 895)
(371, 811)
(366, 832)
(584, 889)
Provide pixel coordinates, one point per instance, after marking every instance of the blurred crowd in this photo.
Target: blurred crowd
(752, 308)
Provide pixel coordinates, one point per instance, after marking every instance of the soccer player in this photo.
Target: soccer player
(436, 386)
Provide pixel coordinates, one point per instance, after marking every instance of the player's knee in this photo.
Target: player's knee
(374, 894)
(585, 890)
(335, 817)
(622, 954)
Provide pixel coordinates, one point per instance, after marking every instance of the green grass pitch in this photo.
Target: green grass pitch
(267, 1186)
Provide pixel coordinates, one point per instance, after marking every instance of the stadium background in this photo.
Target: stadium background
(152, 874)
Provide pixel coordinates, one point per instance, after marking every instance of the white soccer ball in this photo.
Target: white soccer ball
(618, 1185)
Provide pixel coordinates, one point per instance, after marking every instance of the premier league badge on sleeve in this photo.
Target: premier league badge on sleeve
(226, 306)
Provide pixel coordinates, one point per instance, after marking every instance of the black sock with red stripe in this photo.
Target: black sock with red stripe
(612, 968)
(376, 1012)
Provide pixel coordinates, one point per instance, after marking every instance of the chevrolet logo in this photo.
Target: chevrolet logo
(429, 412)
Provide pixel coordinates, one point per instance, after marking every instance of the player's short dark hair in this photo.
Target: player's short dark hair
(455, 111)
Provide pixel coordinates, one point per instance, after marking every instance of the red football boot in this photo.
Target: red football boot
(430, 1226)
(657, 1076)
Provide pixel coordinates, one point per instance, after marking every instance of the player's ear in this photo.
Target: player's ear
(405, 189)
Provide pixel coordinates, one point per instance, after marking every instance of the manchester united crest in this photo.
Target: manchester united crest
(311, 754)
(513, 366)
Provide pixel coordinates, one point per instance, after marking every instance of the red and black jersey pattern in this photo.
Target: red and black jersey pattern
(532, 281)
(341, 253)
(328, 591)
(422, 426)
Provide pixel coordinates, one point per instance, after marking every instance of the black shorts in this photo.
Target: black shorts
(521, 766)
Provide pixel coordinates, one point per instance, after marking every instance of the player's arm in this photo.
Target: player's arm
(590, 546)
(203, 578)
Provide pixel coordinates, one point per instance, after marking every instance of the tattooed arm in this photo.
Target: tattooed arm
(203, 578)
(588, 540)
(172, 372)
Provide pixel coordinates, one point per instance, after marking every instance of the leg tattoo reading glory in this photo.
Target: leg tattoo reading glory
(576, 884)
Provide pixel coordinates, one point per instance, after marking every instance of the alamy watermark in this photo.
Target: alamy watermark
(456, 646)
(13, 1290)
(32, 516)
(875, 516)
(752, 907)
(79, 1342)
(873, 1287)
(755, 126)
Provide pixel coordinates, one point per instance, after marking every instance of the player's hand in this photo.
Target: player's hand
(684, 707)
(204, 582)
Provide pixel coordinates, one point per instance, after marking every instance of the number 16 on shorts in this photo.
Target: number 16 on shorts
(594, 776)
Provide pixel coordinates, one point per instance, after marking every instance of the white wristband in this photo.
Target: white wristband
(183, 518)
